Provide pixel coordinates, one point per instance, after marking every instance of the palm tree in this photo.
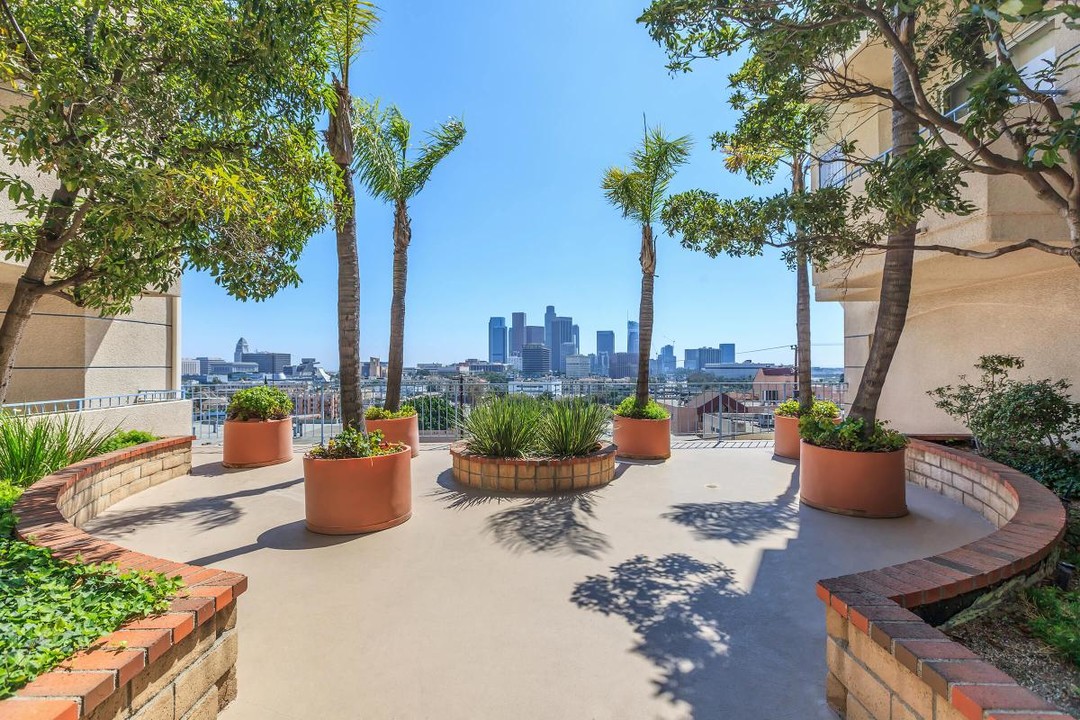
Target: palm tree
(382, 158)
(640, 191)
(348, 23)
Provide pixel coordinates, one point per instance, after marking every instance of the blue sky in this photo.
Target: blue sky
(515, 220)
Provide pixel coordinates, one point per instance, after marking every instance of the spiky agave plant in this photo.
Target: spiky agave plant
(504, 426)
(571, 427)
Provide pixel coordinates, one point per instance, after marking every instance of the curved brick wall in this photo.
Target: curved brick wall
(532, 475)
(885, 662)
(180, 664)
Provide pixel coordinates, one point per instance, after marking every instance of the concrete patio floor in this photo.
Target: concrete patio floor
(681, 590)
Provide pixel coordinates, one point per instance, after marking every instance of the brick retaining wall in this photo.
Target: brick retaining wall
(885, 661)
(179, 665)
(533, 475)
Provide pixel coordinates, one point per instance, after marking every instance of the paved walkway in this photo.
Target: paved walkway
(681, 590)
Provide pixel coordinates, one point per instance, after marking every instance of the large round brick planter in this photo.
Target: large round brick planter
(404, 430)
(865, 484)
(257, 443)
(642, 439)
(357, 495)
(533, 475)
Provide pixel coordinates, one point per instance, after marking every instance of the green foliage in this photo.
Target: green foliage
(182, 134)
(639, 190)
(352, 443)
(53, 608)
(652, 410)
(1031, 425)
(261, 402)
(125, 438)
(436, 413)
(848, 435)
(821, 409)
(9, 493)
(571, 427)
(504, 426)
(1057, 619)
(374, 412)
(32, 448)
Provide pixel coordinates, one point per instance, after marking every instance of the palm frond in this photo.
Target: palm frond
(440, 142)
(623, 189)
(376, 149)
(348, 22)
(639, 190)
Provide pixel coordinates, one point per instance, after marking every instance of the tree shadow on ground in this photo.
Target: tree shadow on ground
(740, 522)
(206, 512)
(552, 523)
(289, 536)
(675, 603)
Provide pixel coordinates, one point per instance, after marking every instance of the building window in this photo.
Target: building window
(772, 396)
(832, 167)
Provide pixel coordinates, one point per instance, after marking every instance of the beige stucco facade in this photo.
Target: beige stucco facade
(1024, 303)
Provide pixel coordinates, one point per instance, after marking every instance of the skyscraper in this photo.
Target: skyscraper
(534, 335)
(605, 342)
(623, 365)
(517, 333)
(567, 349)
(535, 360)
(497, 340)
(727, 352)
(667, 360)
(632, 337)
(575, 332)
(561, 332)
(549, 317)
(241, 348)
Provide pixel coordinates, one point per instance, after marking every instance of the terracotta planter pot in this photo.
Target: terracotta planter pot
(640, 439)
(255, 443)
(399, 430)
(866, 484)
(786, 437)
(357, 495)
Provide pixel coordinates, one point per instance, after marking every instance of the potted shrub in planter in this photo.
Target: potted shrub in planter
(642, 432)
(258, 428)
(357, 483)
(849, 471)
(786, 437)
(399, 426)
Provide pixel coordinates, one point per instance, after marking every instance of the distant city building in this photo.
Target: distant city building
(566, 350)
(534, 335)
(189, 366)
(475, 366)
(517, 333)
(744, 371)
(241, 348)
(308, 369)
(605, 342)
(575, 333)
(536, 388)
(623, 365)
(549, 318)
(375, 369)
(515, 363)
(270, 363)
(577, 366)
(632, 337)
(535, 360)
(727, 352)
(497, 340)
(666, 359)
(601, 363)
(562, 329)
(204, 363)
(228, 368)
(695, 359)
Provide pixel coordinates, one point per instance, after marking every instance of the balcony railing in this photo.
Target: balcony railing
(103, 402)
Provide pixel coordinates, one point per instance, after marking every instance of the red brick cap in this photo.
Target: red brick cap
(876, 602)
(86, 679)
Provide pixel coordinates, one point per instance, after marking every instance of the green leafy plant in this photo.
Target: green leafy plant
(821, 409)
(54, 608)
(261, 402)
(352, 443)
(849, 435)
(124, 439)
(504, 426)
(436, 413)
(374, 412)
(651, 411)
(1056, 619)
(31, 448)
(571, 427)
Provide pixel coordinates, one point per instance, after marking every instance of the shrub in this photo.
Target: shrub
(126, 438)
(261, 402)
(436, 413)
(820, 409)
(1057, 619)
(30, 448)
(571, 427)
(652, 410)
(504, 426)
(352, 443)
(823, 432)
(374, 412)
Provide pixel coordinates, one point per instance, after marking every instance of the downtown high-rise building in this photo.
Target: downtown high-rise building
(517, 332)
(562, 329)
(549, 317)
(241, 348)
(666, 360)
(623, 365)
(605, 342)
(575, 332)
(534, 335)
(695, 359)
(632, 337)
(566, 350)
(497, 340)
(535, 360)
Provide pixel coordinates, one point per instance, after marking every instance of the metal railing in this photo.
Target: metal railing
(102, 402)
(720, 409)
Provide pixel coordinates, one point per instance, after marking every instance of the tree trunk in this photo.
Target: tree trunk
(31, 284)
(394, 365)
(339, 139)
(802, 302)
(645, 314)
(1073, 218)
(899, 261)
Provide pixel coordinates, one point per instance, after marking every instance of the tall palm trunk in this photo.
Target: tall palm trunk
(394, 365)
(31, 285)
(339, 138)
(899, 260)
(802, 301)
(645, 314)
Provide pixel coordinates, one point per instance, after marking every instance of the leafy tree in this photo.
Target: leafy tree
(639, 192)
(178, 134)
(382, 156)
(348, 22)
(1013, 122)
